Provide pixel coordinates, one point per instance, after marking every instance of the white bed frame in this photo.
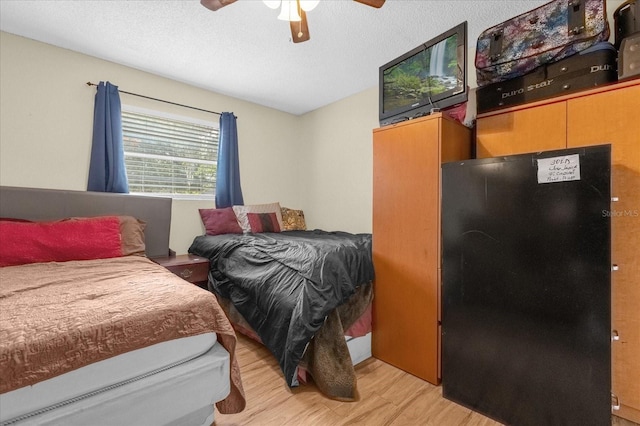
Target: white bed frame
(359, 348)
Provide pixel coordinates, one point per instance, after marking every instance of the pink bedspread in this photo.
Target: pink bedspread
(59, 316)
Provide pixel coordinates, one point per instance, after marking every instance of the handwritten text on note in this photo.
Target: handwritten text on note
(559, 169)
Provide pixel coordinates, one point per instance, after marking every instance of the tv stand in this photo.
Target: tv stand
(406, 241)
(413, 117)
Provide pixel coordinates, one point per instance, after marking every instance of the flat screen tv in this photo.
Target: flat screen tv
(427, 79)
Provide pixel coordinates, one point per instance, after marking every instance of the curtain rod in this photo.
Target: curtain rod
(160, 100)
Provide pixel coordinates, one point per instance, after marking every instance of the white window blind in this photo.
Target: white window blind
(167, 156)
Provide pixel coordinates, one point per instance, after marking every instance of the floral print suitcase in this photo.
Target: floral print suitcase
(551, 32)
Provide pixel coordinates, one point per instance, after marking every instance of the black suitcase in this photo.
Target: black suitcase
(592, 67)
(626, 20)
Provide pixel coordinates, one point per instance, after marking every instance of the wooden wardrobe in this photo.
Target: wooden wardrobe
(609, 114)
(406, 239)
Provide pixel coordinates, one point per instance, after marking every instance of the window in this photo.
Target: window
(166, 155)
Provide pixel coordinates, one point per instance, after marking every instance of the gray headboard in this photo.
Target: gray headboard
(51, 204)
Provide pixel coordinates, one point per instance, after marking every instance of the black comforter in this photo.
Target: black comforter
(285, 284)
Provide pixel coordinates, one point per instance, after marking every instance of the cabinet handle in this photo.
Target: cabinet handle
(614, 335)
(615, 402)
(615, 267)
(615, 199)
(186, 273)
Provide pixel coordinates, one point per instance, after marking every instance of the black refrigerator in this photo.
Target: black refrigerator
(526, 282)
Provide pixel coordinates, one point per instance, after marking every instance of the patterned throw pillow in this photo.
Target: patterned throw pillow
(243, 219)
(293, 220)
(263, 222)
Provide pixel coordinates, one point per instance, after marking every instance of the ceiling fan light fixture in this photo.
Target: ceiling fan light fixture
(272, 4)
(289, 11)
(294, 11)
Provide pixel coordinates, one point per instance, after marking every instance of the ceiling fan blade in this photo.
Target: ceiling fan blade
(300, 30)
(373, 3)
(215, 4)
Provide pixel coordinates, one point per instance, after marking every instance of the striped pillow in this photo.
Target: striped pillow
(263, 222)
(242, 211)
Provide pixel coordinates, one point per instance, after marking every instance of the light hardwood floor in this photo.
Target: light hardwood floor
(388, 396)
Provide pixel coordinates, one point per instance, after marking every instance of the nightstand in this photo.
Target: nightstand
(192, 268)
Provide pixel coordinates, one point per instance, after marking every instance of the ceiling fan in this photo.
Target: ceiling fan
(293, 11)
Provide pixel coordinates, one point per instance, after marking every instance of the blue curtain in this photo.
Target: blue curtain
(106, 169)
(228, 191)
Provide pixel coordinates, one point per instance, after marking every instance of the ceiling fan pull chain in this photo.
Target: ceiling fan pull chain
(299, 23)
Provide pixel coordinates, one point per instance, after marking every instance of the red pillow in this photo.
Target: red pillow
(263, 222)
(220, 221)
(59, 241)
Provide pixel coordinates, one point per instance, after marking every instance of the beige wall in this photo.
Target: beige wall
(320, 162)
(338, 163)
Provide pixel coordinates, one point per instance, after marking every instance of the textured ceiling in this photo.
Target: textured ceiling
(242, 50)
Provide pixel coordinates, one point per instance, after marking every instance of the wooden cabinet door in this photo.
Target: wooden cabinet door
(406, 170)
(614, 117)
(521, 131)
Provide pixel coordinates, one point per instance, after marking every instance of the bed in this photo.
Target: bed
(305, 294)
(91, 333)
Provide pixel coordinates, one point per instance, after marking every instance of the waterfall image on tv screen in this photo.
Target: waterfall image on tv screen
(422, 76)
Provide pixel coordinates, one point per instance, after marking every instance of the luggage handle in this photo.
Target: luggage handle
(495, 46)
(625, 5)
(577, 18)
(620, 27)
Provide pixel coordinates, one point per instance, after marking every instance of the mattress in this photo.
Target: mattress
(59, 317)
(173, 382)
(309, 275)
